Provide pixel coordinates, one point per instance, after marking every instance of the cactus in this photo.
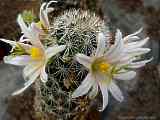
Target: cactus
(77, 30)
(71, 32)
(70, 49)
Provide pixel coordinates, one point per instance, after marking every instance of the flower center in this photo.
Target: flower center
(104, 67)
(101, 66)
(36, 53)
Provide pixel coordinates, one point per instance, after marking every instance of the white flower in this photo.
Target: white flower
(34, 57)
(43, 25)
(40, 28)
(44, 10)
(29, 32)
(106, 66)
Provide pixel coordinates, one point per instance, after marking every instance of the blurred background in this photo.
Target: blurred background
(142, 94)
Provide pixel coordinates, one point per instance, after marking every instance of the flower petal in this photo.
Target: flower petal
(104, 90)
(24, 28)
(35, 39)
(137, 44)
(23, 39)
(44, 16)
(125, 76)
(100, 45)
(117, 48)
(36, 29)
(22, 89)
(28, 83)
(43, 75)
(51, 51)
(30, 69)
(138, 51)
(84, 60)
(14, 43)
(116, 92)
(49, 10)
(29, 32)
(33, 77)
(132, 38)
(84, 87)
(50, 2)
(94, 91)
(139, 64)
(127, 38)
(18, 60)
(125, 60)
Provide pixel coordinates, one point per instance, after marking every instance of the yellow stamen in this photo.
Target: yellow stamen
(101, 65)
(36, 53)
(104, 67)
(39, 24)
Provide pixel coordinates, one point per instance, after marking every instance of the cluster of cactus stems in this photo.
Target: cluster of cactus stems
(77, 30)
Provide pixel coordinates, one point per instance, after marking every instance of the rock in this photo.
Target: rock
(10, 80)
